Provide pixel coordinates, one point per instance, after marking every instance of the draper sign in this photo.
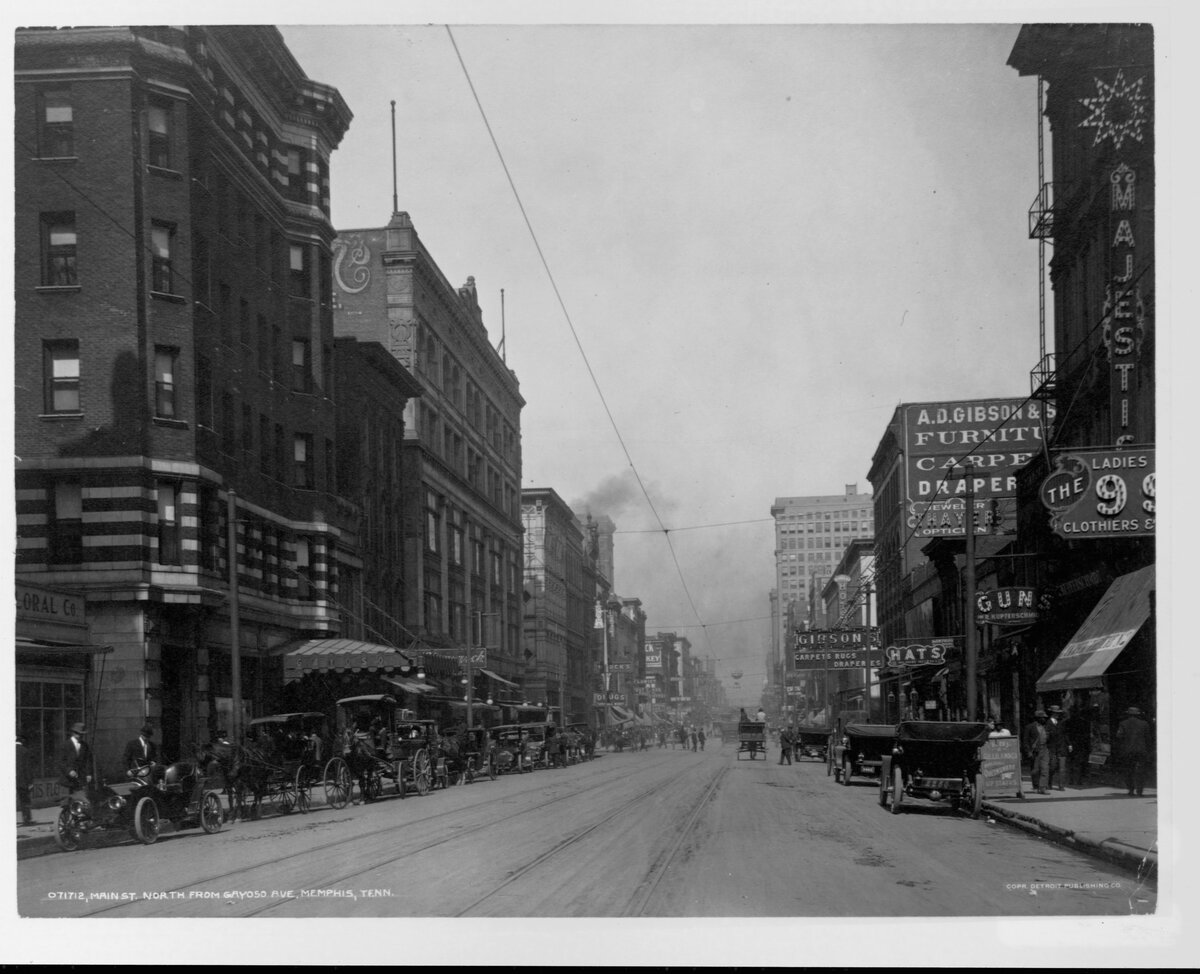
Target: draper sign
(995, 436)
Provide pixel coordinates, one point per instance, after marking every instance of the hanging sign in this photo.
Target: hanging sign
(1015, 605)
(1102, 492)
(917, 654)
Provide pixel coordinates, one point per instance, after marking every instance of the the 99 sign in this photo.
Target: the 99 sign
(1102, 493)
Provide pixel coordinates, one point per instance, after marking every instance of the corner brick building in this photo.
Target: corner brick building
(173, 342)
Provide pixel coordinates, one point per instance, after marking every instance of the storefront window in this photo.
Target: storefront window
(45, 709)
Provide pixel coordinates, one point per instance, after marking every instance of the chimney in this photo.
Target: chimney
(605, 529)
(851, 490)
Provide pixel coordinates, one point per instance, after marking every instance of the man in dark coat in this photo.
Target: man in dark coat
(1133, 749)
(1057, 747)
(24, 781)
(1035, 742)
(141, 751)
(786, 742)
(76, 763)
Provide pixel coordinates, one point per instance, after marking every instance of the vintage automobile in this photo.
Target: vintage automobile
(811, 741)
(542, 744)
(861, 750)
(511, 748)
(936, 760)
(479, 759)
(181, 797)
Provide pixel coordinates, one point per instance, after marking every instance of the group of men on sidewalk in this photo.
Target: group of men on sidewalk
(1059, 746)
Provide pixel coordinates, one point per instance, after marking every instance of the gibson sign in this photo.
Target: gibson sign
(835, 649)
(1102, 493)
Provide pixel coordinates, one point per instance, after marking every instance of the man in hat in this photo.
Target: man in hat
(1133, 749)
(24, 781)
(1078, 728)
(1057, 747)
(141, 752)
(76, 763)
(1035, 742)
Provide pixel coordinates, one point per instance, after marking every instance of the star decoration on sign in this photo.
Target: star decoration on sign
(1118, 110)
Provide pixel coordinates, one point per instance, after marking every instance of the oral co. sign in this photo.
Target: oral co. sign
(1102, 493)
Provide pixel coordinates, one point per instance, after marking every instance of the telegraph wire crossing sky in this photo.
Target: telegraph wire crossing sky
(764, 236)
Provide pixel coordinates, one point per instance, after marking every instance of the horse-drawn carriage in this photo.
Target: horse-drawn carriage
(381, 742)
(936, 760)
(861, 750)
(583, 741)
(752, 738)
(300, 755)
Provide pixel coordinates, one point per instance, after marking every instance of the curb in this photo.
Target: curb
(31, 848)
(1142, 862)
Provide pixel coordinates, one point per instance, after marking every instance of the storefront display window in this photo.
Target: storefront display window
(45, 709)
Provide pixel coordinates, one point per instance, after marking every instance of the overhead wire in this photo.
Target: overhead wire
(574, 334)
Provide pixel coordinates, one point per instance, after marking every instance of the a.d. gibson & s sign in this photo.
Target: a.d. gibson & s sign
(1104, 492)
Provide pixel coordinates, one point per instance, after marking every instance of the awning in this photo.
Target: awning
(623, 716)
(1114, 621)
(499, 679)
(409, 686)
(52, 648)
(337, 656)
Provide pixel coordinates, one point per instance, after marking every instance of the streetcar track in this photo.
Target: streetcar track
(659, 870)
(374, 836)
(655, 789)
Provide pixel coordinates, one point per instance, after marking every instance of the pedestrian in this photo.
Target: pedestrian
(76, 763)
(786, 740)
(1057, 747)
(24, 781)
(761, 716)
(1078, 729)
(1133, 749)
(700, 735)
(141, 753)
(998, 729)
(683, 737)
(692, 735)
(1035, 742)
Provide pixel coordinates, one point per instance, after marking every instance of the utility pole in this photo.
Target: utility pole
(235, 648)
(970, 651)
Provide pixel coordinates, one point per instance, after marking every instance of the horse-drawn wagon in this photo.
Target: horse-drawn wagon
(752, 738)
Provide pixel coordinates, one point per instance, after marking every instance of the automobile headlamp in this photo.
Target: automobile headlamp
(78, 807)
(115, 803)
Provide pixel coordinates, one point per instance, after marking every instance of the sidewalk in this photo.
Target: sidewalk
(1099, 819)
(38, 839)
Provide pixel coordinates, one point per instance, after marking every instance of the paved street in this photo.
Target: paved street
(663, 833)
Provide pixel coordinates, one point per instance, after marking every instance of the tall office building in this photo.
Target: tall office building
(811, 534)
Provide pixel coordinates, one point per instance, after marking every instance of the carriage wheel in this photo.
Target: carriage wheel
(304, 785)
(65, 833)
(338, 783)
(372, 786)
(897, 789)
(145, 821)
(847, 768)
(977, 799)
(210, 812)
(421, 775)
(285, 799)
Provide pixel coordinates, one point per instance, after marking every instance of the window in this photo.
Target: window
(432, 522)
(247, 428)
(158, 125)
(228, 427)
(61, 371)
(298, 265)
(162, 238)
(58, 250)
(305, 586)
(66, 523)
(295, 174)
(433, 601)
(168, 523)
(56, 130)
(301, 368)
(280, 455)
(165, 360)
(210, 528)
(302, 453)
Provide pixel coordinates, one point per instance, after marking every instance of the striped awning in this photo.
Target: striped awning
(499, 679)
(53, 648)
(1106, 631)
(409, 686)
(338, 656)
(623, 716)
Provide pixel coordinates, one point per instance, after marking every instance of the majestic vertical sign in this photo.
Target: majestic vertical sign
(1118, 112)
(995, 436)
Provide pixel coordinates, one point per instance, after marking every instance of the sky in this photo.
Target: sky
(760, 238)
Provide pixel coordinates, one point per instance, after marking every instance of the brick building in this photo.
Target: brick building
(174, 337)
(461, 456)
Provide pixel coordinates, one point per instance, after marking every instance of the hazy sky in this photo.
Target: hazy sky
(765, 236)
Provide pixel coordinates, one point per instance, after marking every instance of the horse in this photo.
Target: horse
(244, 768)
(362, 757)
